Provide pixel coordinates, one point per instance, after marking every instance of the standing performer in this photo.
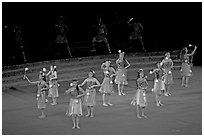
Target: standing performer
(53, 91)
(19, 40)
(159, 85)
(167, 65)
(75, 105)
(136, 34)
(42, 87)
(89, 99)
(101, 35)
(61, 39)
(140, 97)
(192, 51)
(107, 85)
(121, 74)
(186, 67)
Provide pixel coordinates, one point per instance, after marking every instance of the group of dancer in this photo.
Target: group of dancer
(79, 97)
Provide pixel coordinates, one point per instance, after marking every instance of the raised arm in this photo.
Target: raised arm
(191, 54)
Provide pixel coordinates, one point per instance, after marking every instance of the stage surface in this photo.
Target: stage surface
(180, 115)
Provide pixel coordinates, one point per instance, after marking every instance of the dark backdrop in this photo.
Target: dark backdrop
(167, 26)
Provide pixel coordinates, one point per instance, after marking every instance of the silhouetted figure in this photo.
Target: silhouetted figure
(101, 35)
(19, 42)
(136, 34)
(61, 39)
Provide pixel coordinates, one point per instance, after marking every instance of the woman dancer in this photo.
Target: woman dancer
(121, 74)
(159, 85)
(42, 87)
(75, 105)
(167, 65)
(53, 91)
(186, 67)
(89, 98)
(140, 97)
(107, 85)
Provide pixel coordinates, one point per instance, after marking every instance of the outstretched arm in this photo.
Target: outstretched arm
(34, 82)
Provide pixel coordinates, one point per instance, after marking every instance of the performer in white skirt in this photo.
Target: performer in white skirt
(167, 65)
(89, 98)
(41, 96)
(159, 86)
(121, 74)
(140, 97)
(186, 67)
(107, 84)
(75, 104)
(53, 91)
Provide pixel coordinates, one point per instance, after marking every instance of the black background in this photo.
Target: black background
(167, 26)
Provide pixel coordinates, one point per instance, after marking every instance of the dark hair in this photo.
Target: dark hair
(77, 86)
(93, 72)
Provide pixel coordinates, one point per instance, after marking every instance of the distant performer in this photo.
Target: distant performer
(167, 65)
(101, 35)
(61, 39)
(121, 73)
(19, 41)
(136, 33)
(186, 67)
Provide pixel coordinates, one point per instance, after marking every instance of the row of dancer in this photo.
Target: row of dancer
(48, 82)
(163, 79)
(162, 82)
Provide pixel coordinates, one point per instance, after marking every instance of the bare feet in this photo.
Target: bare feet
(138, 116)
(110, 104)
(144, 116)
(105, 105)
(42, 116)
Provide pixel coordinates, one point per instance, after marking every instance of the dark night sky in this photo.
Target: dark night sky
(171, 25)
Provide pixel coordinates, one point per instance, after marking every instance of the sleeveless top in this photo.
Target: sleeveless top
(107, 72)
(167, 63)
(41, 86)
(142, 83)
(74, 92)
(186, 59)
(120, 64)
(158, 73)
(90, 83)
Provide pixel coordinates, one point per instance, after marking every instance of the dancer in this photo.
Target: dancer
(167, 65)
(186, 67)
(140, 97)
(42, 88)
(53, 91)
(159, 86)
(136, 34)
(75, 104)
(101, 35)
(61, 39)
(121, 74)
(107, 85)
(89, 99)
